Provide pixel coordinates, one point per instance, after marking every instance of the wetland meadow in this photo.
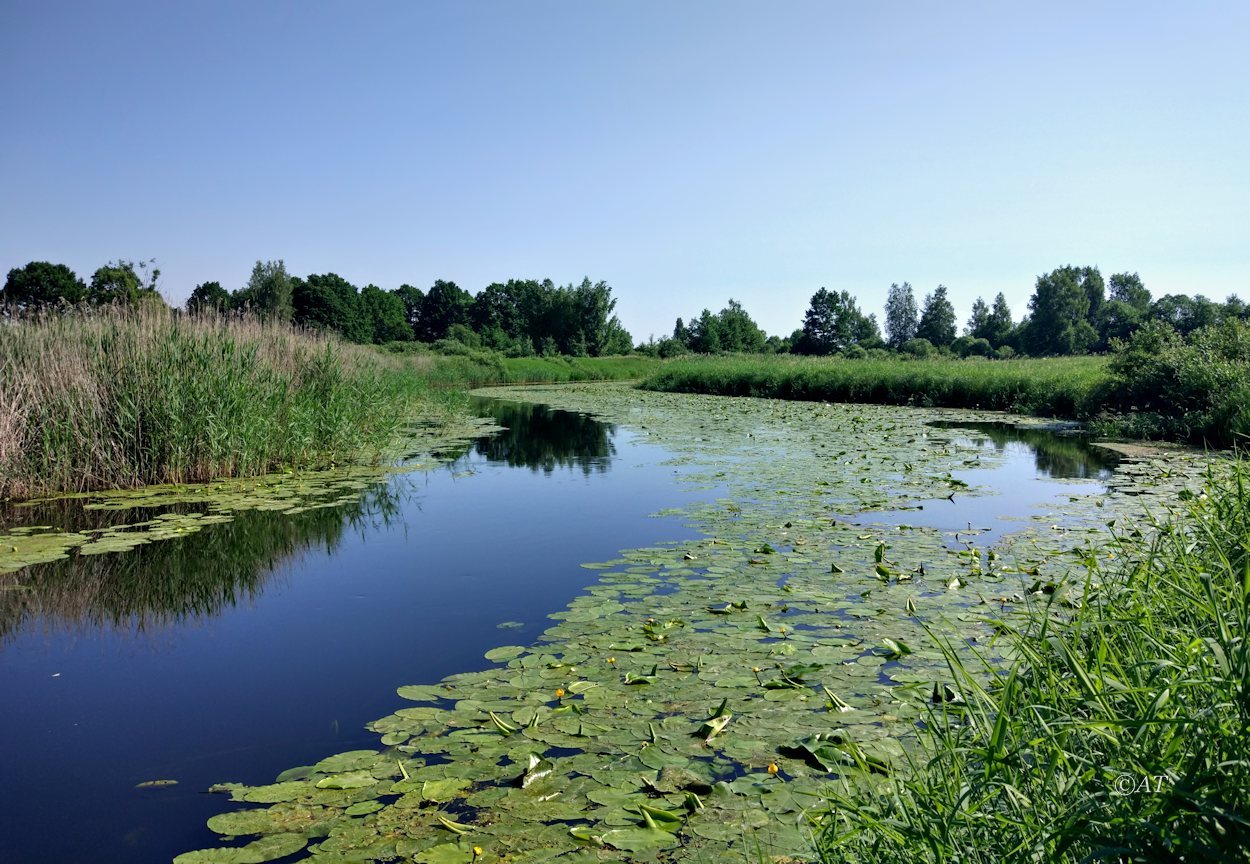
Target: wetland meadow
(599, 623)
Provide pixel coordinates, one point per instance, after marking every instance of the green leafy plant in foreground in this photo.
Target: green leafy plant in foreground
(1119, 734)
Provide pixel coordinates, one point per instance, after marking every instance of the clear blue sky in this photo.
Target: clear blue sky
(683, 152)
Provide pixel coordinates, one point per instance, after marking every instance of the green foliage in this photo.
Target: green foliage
(445, 305)
(918, 347)
(209, 297)
(118, 282)
(1060, 311)
(268, 292)
(834, 322)
(1119, 734)
(937, 321)
(902, 316)
(41, 283)
(412, 298)
(135, 396)
(1194, 388)
(386, 315)
(1056, 387)
(330, 303)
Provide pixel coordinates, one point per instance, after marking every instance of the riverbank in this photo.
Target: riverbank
(1191, 393)
(1117, 734)
(121, 398)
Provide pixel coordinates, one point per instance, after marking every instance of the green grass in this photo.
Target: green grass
(484, 368)
(1054, 387)
(129, 397)
(1119, 734)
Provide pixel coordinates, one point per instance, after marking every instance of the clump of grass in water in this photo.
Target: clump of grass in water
(1120, 734)
(121, 397)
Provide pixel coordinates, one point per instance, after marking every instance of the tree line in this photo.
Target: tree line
(520, 317)
(1072, 311)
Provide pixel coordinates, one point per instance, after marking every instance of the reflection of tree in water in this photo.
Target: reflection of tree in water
(166, 581)
(1054, 454)
(539, 438)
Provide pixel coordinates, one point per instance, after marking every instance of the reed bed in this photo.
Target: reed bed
(1119, 734)
(1065, 387)
(126, 397)
(484, 368)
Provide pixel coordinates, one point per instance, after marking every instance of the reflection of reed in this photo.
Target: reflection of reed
(1054, 454)
(540, 438)
(167, 581)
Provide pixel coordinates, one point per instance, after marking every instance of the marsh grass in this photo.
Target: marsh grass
(128, 397)
(485, 368)
(1053, 386)
(1119, 733)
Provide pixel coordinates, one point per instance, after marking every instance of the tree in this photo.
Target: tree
(705, 333)
(118, 282)
(445, 305)
(738, 332)
(209, 297)
(978, 321)
(384, 314)
(329, 302)
(42, 283)
(998, 330)
(901, 315)
(1128, 288)
(1059, 312)
(937, 321)
(412, 298)
(833, 321)
(681, 333)
(269, 291)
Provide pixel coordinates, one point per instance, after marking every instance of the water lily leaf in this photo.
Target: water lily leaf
(505, 653)
(637, 839)
(444, 853)
(350, 780)
(156, 784)
(257, 852)
(443, 790)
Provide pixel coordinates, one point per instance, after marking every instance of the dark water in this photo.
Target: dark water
(269, 641)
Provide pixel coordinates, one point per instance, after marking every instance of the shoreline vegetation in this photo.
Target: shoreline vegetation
(121, 396)
(133, 396)
(1117, 734)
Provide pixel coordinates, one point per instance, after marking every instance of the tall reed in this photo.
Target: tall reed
(1119, 734)
(124, 397)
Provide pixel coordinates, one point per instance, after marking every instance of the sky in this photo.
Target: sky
(685, 153)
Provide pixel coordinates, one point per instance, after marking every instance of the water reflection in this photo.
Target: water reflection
(223, 565)
(1062, 455)
(540, 438)
(164, 582)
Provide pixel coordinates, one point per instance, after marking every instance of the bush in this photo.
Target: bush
(918, 348)
(1194, 388)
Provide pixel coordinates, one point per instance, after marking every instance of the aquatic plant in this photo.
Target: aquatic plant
(1119, 732)
(712, 689)
(125, 397)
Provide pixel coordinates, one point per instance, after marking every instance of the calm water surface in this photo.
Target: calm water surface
(270, 641)
(282, 636)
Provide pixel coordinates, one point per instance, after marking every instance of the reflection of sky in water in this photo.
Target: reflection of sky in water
(301, 629)
(1019, 480)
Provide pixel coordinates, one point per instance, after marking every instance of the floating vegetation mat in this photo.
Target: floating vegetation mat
(692, 704)
(121, 520)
